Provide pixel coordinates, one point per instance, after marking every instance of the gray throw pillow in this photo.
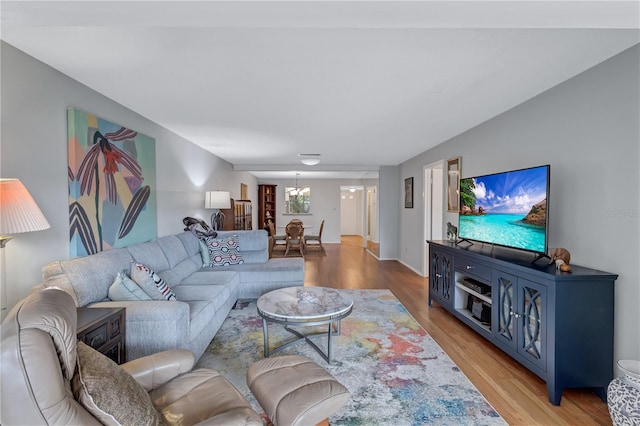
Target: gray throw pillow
(124, 288)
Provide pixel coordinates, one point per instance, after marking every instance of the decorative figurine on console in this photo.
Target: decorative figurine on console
(452, 232)
(561, 257)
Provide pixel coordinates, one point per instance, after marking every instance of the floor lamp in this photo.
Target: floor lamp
(217, 200)
(18, 213)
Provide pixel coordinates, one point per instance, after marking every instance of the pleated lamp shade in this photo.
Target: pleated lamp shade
(18, 211)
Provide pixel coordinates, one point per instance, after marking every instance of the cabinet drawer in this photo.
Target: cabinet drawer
(116, 327)
(96, 338)
(103, 329)
(472, 268)
(115, 352)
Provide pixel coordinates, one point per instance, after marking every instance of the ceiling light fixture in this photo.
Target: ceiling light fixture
(310, 159)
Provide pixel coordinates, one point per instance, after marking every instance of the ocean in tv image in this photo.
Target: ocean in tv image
(508, 209)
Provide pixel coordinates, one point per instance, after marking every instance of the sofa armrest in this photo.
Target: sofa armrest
(153, 325)
(152, 371)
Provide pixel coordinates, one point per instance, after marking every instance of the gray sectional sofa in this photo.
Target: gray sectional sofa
(205, 295)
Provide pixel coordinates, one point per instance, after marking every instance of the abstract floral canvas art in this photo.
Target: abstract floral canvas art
(112, 180)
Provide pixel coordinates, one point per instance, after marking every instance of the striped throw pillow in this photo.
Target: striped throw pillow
(151, 283)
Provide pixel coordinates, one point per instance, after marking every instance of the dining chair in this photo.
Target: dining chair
(276, 240)
(316, 240)
(295, 237)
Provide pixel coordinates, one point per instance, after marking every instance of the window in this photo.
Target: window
(297, 200)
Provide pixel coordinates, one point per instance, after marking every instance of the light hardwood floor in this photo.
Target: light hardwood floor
(518, 395)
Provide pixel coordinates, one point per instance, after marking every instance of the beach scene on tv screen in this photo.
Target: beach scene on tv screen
(508, 209)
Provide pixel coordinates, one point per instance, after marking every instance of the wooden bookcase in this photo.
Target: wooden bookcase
(242, 215)
(238, 217)
(266, 204)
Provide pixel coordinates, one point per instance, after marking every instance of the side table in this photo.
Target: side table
(104, 330)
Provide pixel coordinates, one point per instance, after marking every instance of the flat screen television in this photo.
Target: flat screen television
(507, 209)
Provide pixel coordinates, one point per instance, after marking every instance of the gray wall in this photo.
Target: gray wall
(35, 98)
(390, 203)
(587, 129)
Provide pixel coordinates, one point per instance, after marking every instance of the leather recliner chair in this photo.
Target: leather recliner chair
(39, 353)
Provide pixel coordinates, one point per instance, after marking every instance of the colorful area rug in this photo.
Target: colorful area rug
(396, 373)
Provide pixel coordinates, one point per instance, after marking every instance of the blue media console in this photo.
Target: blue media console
(559, 325)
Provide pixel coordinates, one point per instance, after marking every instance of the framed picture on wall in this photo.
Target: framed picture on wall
(453, 184)
(408, 193)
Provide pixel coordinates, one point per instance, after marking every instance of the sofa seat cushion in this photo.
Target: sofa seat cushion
(205, 292)
(200, 395)
(275, 270)
(216, 276)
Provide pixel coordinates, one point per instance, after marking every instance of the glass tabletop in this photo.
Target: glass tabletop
(304, 303)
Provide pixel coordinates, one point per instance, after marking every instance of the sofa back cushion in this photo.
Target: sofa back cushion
(150, 254)
(192, 246)
(90, 276)
(253, 245)
(181, 262)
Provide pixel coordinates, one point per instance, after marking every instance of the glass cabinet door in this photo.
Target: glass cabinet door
(532, 336)
(520, 317)
(434, 273)
(446, 272)
(506, 312)
(441, 277)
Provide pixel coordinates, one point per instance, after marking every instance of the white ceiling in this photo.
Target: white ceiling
(363, 83)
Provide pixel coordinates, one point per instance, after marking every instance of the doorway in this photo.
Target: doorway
(351, 210)
(359, 216)
(433, 208)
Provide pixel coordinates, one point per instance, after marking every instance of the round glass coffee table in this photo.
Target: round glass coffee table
(303, 307)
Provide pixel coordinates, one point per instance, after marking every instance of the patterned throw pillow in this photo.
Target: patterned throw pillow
(224, 251)
(151, 283)
(105, 390)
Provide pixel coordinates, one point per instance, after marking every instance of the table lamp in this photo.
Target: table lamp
(217, 200)
(18, 213)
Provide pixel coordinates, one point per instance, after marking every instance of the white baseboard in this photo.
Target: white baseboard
(412, 268)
